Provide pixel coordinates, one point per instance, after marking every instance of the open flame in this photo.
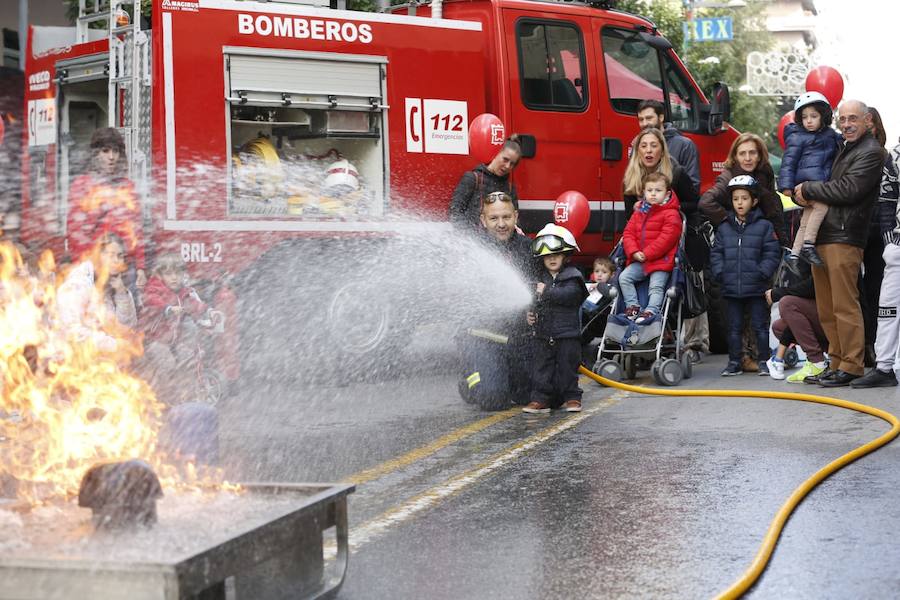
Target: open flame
(65, 404)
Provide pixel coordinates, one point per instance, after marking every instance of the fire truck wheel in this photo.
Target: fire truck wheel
(312, 311)
(364, 325)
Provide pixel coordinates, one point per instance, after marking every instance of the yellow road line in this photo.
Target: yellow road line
(427, 450)
(372, 529)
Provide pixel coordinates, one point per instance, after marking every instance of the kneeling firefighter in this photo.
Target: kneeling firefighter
(496, 354)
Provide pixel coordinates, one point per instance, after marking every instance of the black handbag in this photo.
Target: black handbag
(695, 302)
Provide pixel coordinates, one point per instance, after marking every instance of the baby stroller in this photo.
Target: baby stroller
(595, 313)
(627, 347)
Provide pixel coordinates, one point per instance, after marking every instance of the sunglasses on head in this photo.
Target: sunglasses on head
(497, 197)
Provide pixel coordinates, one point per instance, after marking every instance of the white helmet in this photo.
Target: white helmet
(808, 99)
(553, 239)
(341, 177)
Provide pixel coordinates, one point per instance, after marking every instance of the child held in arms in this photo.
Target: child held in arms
(810, 147)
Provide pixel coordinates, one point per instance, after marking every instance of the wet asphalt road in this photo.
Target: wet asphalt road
(638, 497)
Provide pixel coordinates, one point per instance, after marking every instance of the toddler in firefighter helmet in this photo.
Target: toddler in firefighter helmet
(559, 292)
(810, 147)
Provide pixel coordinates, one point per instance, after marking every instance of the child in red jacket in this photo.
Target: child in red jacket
(650, 241)
(167, 301)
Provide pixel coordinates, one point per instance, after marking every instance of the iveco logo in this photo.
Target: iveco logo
(39, 81)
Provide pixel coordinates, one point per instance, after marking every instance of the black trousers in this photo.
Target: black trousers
(871, 284)
(555, 374)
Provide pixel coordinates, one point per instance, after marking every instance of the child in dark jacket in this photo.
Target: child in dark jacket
(650, 241)
(560, 290)
(810, 147)
(744, 257)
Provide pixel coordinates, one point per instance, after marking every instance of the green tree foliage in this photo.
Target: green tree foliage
(711, 62)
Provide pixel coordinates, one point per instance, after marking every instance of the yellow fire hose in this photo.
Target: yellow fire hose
(749, 577)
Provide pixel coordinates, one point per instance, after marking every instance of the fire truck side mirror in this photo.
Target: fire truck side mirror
(528, 143)
(720, 107)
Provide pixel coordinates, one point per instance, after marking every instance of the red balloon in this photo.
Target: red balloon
(784, 122)
(572, 211)
(486, 137)
(828, 82)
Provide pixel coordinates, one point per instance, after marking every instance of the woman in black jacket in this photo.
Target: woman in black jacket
(477, 184)
(748, 156)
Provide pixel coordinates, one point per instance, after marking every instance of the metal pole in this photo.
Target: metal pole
(23, 32)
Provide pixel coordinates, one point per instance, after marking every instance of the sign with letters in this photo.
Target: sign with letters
(42, 122)
(437, 126)
(714, 29)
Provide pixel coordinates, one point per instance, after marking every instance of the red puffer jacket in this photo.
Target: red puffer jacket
(157, 322)
(655, 233)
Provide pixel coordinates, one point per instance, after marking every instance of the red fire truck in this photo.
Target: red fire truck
(242, 118)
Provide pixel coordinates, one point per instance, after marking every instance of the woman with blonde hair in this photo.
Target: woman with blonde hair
(748, 156)
(650, 154)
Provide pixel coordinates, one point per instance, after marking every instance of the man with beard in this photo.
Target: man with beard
(496, 374)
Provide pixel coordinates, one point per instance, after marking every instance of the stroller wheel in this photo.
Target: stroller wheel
(791, 358)
(654, 370)
(686, 365)
(669, 372)
(629, 361)
(609, 369)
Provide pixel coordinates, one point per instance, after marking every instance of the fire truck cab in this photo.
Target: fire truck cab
(252, 127)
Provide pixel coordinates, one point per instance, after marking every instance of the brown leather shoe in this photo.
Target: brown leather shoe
(572, 406)
(536, 408)
(748, 365)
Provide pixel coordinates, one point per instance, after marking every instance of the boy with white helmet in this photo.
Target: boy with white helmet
(743, 259)
(560, 290)
(810, 147)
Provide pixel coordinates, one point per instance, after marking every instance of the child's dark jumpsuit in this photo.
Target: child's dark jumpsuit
(557, 349)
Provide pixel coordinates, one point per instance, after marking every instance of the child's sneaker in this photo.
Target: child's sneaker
(733, 368)
(536, 408)
(632, 311)
(645, 317)
(776, 368)
(808, 370)
(763, 369)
